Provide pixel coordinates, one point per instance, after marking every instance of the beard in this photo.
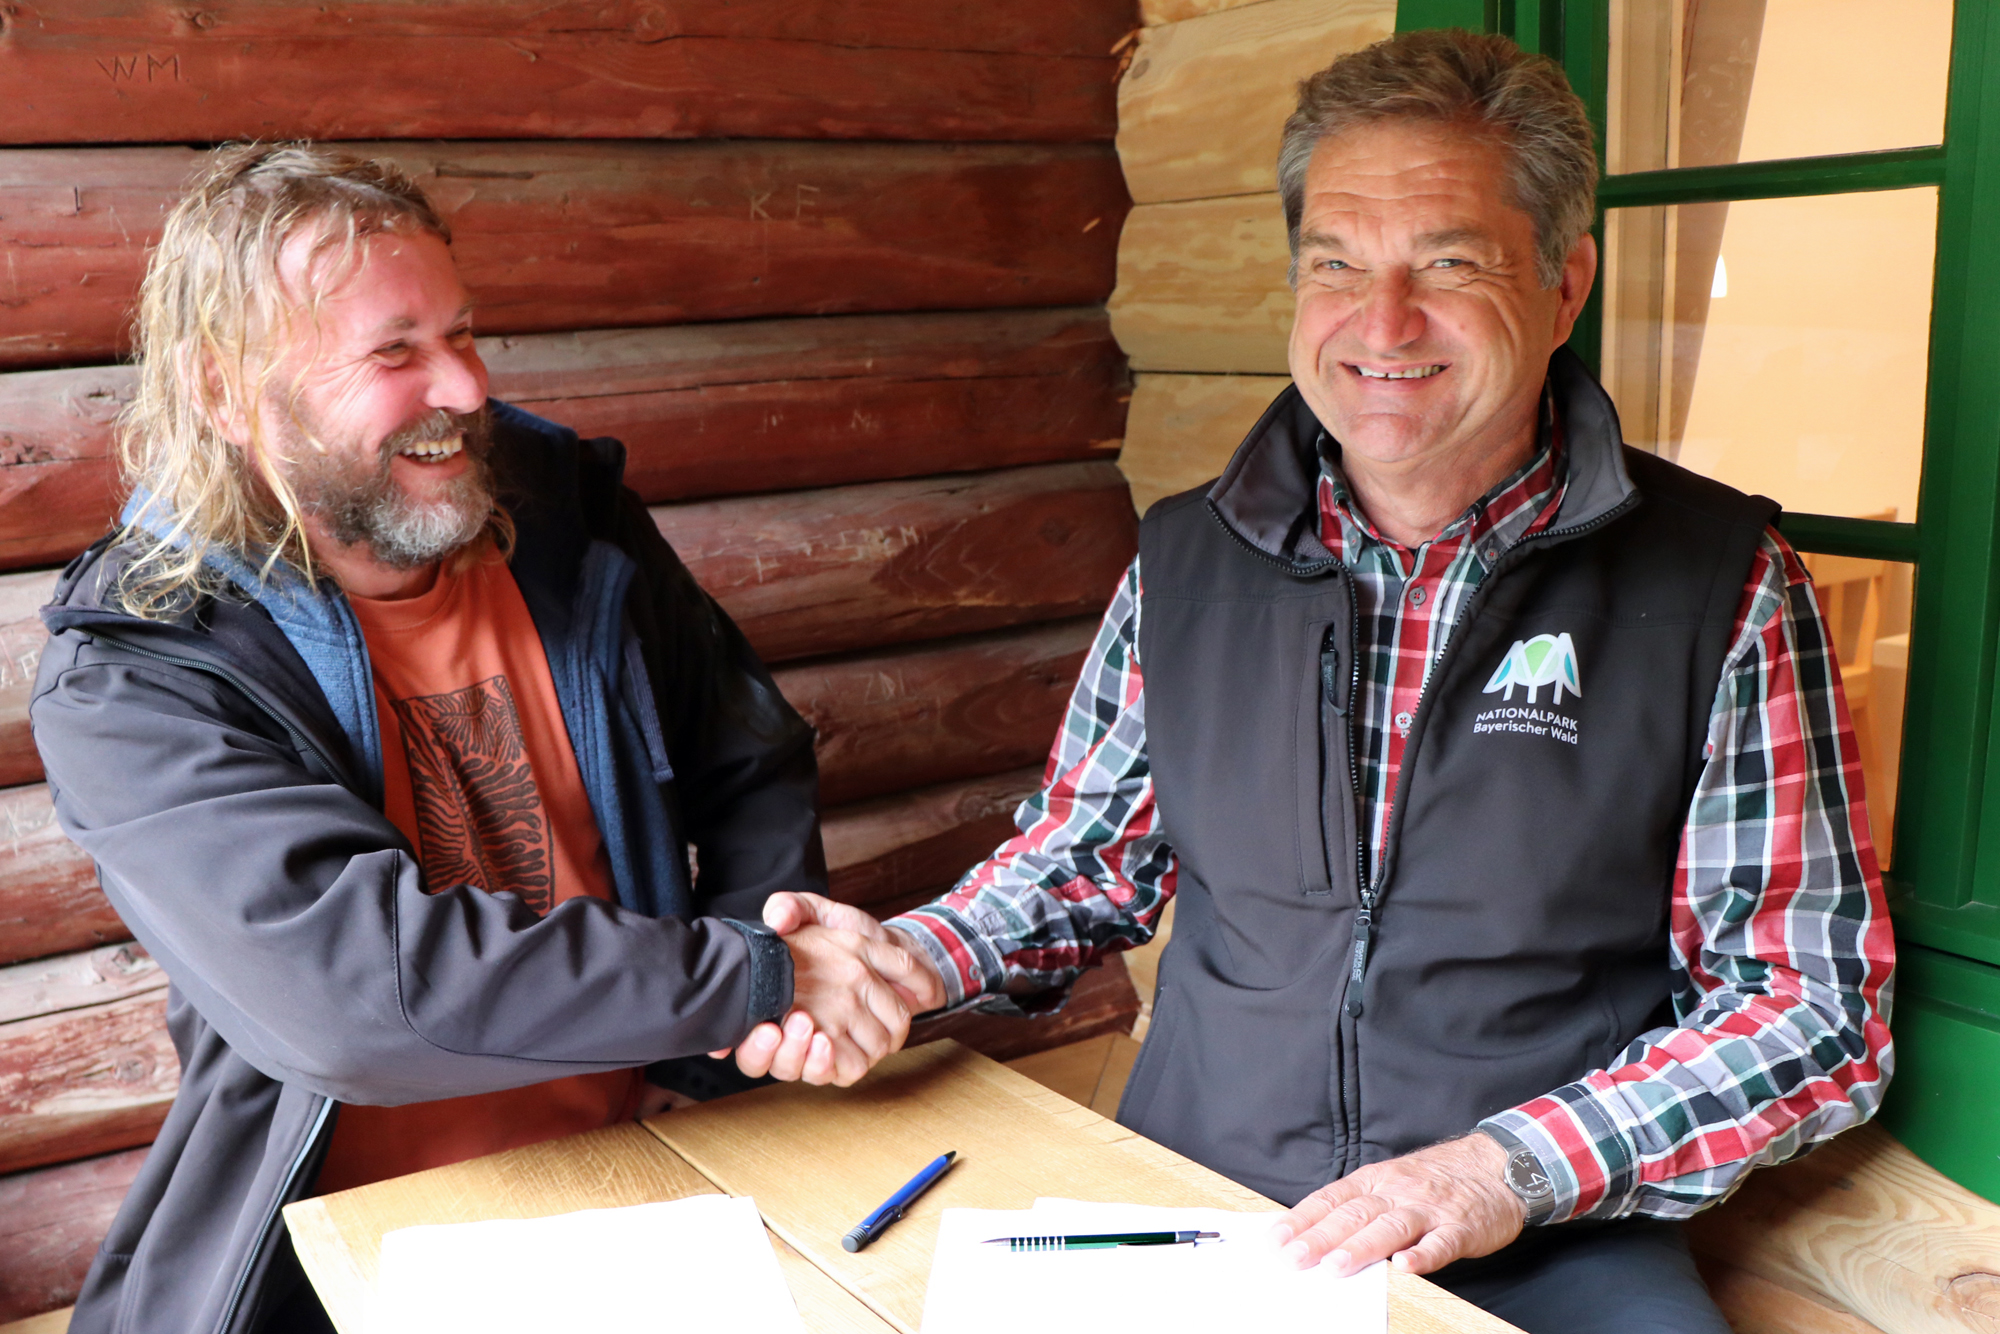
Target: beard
(358, 503)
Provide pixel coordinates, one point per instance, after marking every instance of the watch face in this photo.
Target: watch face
(1525, 1175)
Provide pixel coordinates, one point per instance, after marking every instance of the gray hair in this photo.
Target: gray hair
(1483, 83)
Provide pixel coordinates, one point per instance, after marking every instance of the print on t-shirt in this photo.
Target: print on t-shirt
(478, 809)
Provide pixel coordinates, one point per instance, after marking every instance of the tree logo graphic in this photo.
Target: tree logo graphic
(1545, 660)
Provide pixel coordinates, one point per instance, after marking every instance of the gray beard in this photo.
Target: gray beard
(360, 504)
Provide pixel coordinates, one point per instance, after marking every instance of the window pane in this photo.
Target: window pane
(1867, 608)
(1778, 345)
(1698, 83)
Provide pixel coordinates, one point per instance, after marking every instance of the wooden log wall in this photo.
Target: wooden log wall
(1201, 307)
(835, 274)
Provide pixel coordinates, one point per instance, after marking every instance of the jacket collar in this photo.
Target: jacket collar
(1266, 496)
(536, 463)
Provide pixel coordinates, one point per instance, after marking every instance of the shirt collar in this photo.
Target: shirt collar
(1521, 503)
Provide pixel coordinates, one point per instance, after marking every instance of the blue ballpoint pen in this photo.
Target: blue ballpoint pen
(892, 1208)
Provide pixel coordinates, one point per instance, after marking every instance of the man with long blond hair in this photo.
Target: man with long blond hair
(391, 723)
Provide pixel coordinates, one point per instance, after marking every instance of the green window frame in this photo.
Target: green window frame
(1945, 887)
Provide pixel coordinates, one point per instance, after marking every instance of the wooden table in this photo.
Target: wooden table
(1016, 1141)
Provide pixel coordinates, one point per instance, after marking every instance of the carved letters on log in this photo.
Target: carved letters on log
(566, 236)
(49, 899)
(21, 639)
(883, 854)
(558, 236)
(702, 409)
(278, 69)
(86, 1065)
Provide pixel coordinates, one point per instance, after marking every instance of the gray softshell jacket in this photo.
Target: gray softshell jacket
(223, 769)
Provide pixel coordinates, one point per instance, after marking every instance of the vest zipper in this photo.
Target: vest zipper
(1364, 919)
(1511, 557)
(1370, 890)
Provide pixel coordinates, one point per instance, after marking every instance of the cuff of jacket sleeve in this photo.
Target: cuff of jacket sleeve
(1588, 1158)
(966, 960)
(770, 971)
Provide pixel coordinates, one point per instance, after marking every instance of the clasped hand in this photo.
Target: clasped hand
(855, 985)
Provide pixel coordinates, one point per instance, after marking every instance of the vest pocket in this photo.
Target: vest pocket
(1325, 759)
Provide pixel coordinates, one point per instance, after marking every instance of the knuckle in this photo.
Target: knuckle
(1351, 1214)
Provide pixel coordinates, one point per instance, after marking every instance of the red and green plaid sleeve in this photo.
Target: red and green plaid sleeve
(1781, 942)
(1090, 870)
(1782, 947)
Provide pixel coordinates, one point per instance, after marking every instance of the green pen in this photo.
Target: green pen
(1102, 1241)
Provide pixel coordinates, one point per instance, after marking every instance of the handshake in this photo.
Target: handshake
(855, 985)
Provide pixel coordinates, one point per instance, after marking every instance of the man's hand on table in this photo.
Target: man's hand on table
(1420, 1211)
(855, 985)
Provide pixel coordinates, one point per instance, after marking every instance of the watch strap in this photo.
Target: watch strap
(1525, 1175)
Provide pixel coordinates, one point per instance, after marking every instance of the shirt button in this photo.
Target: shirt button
(1417, 596)
(1403, 721)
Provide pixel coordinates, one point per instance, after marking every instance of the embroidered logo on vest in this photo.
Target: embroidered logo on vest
(1545, 660)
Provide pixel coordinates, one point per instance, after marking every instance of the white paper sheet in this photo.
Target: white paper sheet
(696, 1265)
(1235, 1284)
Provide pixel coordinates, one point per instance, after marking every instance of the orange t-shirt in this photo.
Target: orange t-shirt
(479, 774)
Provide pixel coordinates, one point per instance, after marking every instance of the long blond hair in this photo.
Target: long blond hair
(213, 319)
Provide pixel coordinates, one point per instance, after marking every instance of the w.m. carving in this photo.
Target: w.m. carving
(128, 69)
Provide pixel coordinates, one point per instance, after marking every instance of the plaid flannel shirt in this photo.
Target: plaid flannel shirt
(1781, 946)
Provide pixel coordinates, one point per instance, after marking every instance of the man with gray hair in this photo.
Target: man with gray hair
(1501, 772)
(391, 723)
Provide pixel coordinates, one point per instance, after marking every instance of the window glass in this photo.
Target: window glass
(1698, 83)
(1866, 604)
(1778, 345)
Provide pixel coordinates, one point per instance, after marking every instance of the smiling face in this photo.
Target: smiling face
(379, 421)
(1422, 335)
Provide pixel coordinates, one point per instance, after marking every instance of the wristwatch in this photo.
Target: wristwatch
(1524, 1175)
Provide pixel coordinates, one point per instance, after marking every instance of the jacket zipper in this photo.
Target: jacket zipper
(292, 1173)
(326, 1106)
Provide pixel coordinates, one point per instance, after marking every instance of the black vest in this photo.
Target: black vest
(1519, 932)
